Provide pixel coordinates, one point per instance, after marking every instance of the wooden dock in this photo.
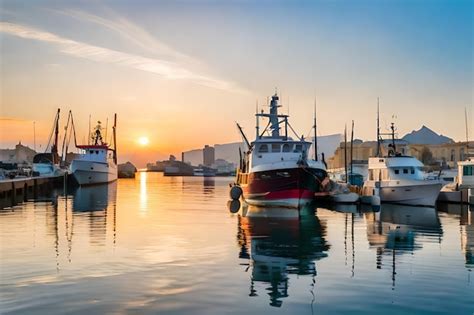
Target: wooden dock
(14, 191)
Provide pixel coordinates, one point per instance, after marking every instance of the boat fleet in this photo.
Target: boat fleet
(95, 162)
(275, 171)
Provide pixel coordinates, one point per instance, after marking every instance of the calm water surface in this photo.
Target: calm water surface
(168, 245)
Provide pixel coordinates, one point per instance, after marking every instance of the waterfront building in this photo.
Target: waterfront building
(209, 155)
(21, 154)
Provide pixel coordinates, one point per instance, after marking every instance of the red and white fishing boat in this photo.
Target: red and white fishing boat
(275, 169)
(98, 162)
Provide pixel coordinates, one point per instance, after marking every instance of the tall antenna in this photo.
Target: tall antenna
(352, 141)
(315, 133)
(114, 129)
(467, 131)
(345, 150)
(378, 128)
(34, 135)
(106, 126)
(288, 105)
(257, 127)
(89, 131)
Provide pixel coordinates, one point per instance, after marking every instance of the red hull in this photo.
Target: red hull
(287, 187)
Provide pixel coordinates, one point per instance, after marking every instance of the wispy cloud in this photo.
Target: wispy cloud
(167, 69)
(12, 119)
(130, 31)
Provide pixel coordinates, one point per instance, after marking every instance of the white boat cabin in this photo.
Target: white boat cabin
(278, 150)
(395, 168)
(95, 153)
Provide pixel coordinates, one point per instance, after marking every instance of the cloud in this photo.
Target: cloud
(13, 119)
(130, 31)
(166, 69)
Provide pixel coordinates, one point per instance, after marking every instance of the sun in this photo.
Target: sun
(143, 141)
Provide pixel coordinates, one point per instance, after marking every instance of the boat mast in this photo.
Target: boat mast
(467, 131)
(34, 135)
(378, 128)
(352, 140)
(345, 151)
(114, 129)
(89, 131)
(257, 127)
(54, 147)
(393, 138)
(315, 134)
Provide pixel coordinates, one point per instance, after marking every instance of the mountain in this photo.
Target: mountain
(426, 136)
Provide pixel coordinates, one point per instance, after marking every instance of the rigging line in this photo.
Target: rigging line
(293, 131)
(264, 130)
(74, 128)
(50, 136)
(66, 129)
(311, 129)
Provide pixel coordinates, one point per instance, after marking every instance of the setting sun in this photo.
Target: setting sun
(143, 141)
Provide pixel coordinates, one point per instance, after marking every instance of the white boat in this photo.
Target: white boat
(458, 191)
(397, 178)
(98, 162)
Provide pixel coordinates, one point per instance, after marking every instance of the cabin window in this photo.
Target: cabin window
(397, 171)
(275, 148)
(467, 170)
(412, 170)
(286, 148)
(461, 154)
(453, 153)
(405, 171)
(371, 175)
(298, 148)
(263, 148)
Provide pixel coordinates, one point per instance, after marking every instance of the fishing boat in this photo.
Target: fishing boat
(97, 164)
(275, 170)
(48, 163)
(398, 178)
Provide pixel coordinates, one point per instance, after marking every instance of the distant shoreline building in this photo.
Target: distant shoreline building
(424, 144)
(21, 154)
(208, 155)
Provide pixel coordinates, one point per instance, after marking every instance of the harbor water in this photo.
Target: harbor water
(169, 245)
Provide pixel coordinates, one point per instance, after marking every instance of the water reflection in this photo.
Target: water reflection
(278, 243)
(393, 231)
(466, 222)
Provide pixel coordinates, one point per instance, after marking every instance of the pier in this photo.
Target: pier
(14, 191)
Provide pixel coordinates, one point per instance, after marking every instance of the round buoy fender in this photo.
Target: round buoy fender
(233, 205)
(235, 192)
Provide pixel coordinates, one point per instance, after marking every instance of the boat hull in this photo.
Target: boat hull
(290, 188)
(422, 194)
(92, 172)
